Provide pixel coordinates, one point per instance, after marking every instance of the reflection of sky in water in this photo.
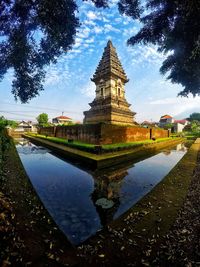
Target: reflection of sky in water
(67, 191)
(144, 176)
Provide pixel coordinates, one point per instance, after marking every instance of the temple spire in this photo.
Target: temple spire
(109, 65)
(110, 105)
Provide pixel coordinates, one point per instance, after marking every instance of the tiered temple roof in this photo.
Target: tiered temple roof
(109, 65)
(110, 105)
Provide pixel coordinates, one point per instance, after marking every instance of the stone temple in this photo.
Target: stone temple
(110, 105)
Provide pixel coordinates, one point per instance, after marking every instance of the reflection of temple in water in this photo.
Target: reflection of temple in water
(106, 193)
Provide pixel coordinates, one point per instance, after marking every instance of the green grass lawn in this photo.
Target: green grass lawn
(104, 148)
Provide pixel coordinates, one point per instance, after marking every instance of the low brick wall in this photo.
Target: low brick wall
(89, 133)
(86, 133)
(159, 133)
(120, 134)
(103, 133)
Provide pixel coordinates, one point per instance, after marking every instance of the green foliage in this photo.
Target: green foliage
(168, 25)
(168, 126)
(42, 119)
(105, 148)
(193, 129)
(4, 122)
(194, 116)
(20, 49)
(33, 35)
(195, 126)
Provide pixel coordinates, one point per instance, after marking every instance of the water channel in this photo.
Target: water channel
(82, 201)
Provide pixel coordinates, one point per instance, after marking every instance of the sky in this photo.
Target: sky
(68, 87)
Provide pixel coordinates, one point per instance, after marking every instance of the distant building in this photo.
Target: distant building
(24, 126)
(165, 119)
(148, 124)
(177, 125)
(183, 122)
(61, 120)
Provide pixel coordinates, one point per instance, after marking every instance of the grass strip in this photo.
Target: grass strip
(104, 148)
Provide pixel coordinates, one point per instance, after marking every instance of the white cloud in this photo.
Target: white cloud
(145, 54)
(57, 74)
(110, 28)
(91, 15)
(89, 90)
(90, 22)
(177, 105)
(83, 32)
(89, 41)
(129, 32)
(98, 29)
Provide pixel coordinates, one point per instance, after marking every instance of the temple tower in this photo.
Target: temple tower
(110, 105)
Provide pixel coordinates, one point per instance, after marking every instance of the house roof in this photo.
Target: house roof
(146, 122)
(180, 121)
(24, 123)
(63, 118)
(166, 117)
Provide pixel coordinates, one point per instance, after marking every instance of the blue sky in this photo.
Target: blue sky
(68, 87)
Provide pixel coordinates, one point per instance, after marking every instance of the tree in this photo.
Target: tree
(171, 25)
(4, 122)
(174, 27)
(42, 119)
(168, 125)
(194, 116)
(195, 127)
(33, 34)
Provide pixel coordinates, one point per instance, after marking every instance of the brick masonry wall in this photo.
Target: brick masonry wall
(103, 133)
(159, 133)
(50, 131)
(86, 133)
(121, 134)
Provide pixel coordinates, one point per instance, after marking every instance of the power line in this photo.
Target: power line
(19, 114)
(43, 108)
(25, 111)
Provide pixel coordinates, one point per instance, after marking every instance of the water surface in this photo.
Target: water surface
(82, 202)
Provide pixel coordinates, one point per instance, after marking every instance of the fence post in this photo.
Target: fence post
(150, 133)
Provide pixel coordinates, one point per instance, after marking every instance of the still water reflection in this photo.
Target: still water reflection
(80, 201)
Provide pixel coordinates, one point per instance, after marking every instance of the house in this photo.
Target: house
(179, 125)
(183, 122)
(165, 119)
(24, 126)
(61, 120)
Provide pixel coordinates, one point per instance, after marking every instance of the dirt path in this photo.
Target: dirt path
(181, 245)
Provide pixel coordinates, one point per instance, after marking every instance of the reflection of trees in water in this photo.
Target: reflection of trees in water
(106, 194)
